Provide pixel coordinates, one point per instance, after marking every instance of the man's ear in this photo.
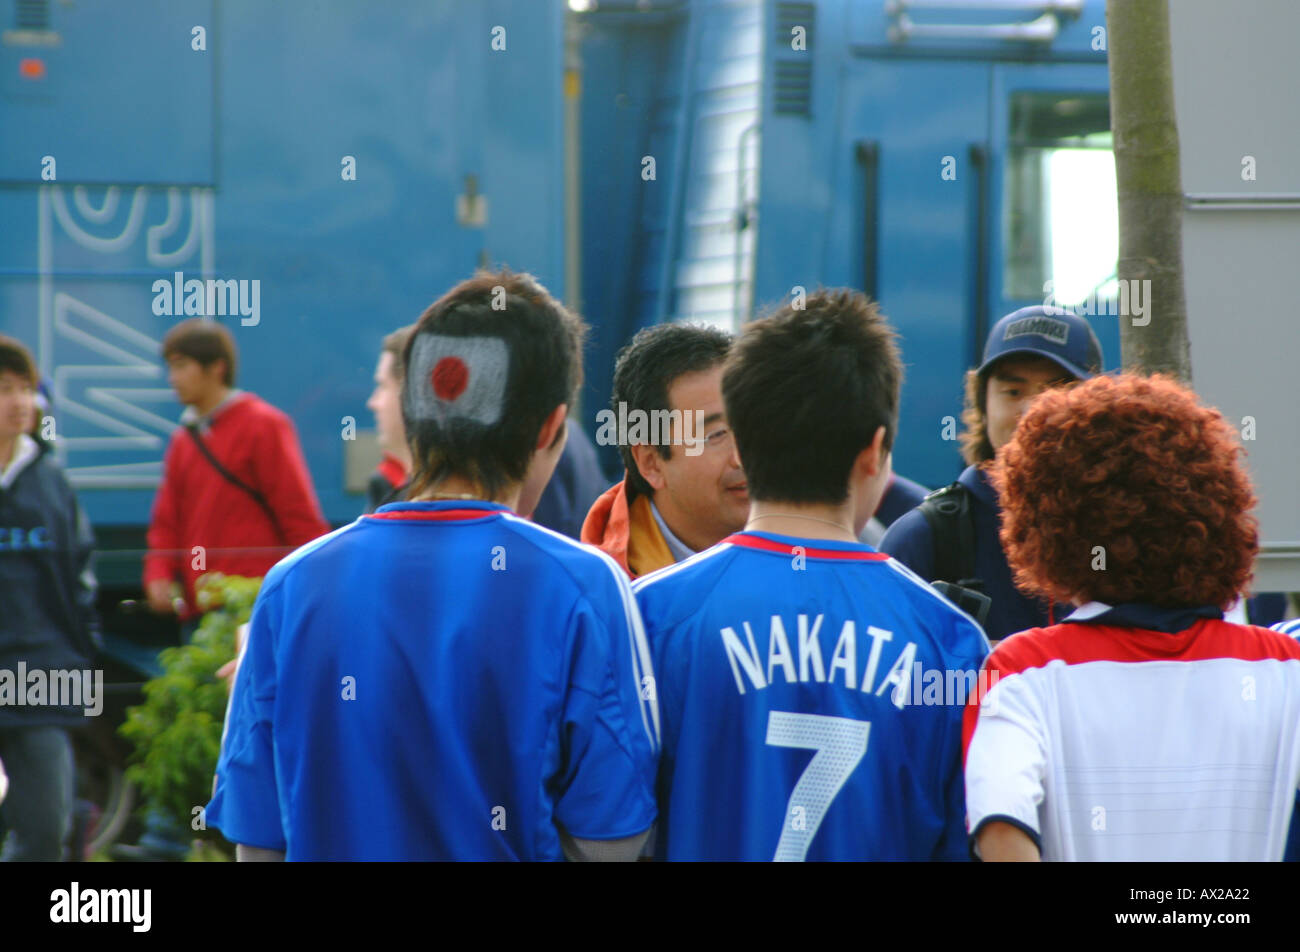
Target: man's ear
(873, 456)
(649, 464)
(552, 427)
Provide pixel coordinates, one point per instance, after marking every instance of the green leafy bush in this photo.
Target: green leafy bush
(177, 731)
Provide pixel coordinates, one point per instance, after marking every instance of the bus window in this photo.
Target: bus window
(1060, 217)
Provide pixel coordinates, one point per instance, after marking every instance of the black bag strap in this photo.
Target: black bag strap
(234, 480)
(952, 528)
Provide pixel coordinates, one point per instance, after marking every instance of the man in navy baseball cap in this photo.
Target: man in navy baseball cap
(953, 535)
(1061, 336)
(1026, 352)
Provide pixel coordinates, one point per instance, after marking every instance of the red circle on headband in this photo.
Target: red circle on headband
(450, 378)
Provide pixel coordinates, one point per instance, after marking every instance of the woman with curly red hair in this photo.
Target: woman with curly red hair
(1112, 735)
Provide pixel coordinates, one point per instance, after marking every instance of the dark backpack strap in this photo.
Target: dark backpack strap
(952, 530)
(234, 480)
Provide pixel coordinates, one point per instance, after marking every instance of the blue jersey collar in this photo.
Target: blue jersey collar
(812, 548)
(448, 510)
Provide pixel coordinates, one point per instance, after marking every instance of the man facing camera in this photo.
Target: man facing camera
(683, 489)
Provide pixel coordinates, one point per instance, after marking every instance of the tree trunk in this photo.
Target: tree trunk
(1153, 327)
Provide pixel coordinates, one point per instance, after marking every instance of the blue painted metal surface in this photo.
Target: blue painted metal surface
(122, 95)
(226, 163)
(629, 103)
(412, 90)
(920, 103)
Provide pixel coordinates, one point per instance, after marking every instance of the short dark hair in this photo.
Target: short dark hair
(806, 389)
(543, 349)
(395, 344)
(17, 359)
(645, 370)
(204, 341)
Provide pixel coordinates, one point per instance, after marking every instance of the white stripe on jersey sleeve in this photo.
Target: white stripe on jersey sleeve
(1291, 627)
(637, 642)
(642, 666)
(912, 577)
(668, 571)
(242, 645)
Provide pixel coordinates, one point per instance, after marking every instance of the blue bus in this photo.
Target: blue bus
(344, 163)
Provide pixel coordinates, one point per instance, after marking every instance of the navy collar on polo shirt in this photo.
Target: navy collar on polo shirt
(1141, 615)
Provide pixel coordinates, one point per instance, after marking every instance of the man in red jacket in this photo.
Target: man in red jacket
(236, 496)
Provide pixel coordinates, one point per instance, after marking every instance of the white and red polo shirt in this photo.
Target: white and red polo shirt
(1106, 738)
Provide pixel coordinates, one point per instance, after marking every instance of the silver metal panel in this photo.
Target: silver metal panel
(1240, 273)
(1237, 93)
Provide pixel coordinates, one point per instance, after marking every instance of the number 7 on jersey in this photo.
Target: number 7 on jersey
(841, 743)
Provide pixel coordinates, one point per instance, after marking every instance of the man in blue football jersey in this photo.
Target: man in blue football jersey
(443, 679)
(810, 687)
